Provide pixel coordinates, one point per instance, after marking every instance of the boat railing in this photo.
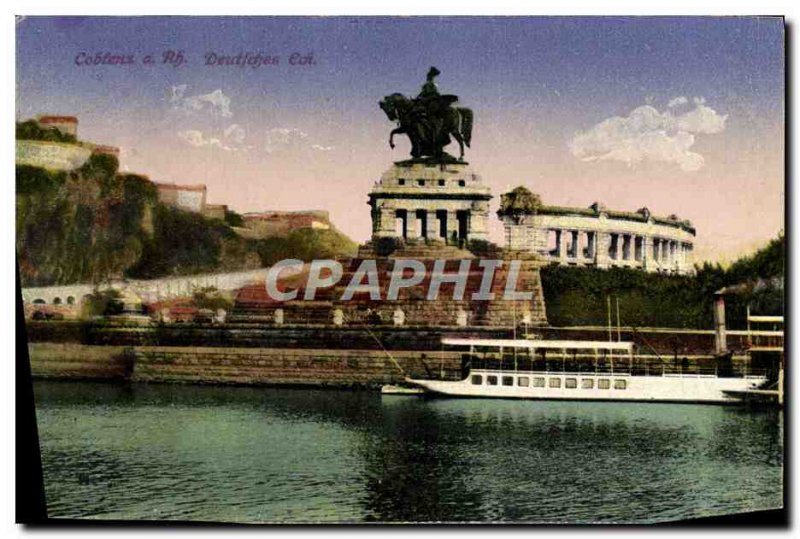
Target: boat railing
(599, 358)
(625, 370)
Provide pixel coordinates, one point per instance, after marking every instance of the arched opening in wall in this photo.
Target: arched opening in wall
(588, 250)
(56, 300)
(462, 216)
(39, 301)
(421, 224)
(626, 247)
(441, 216)
(613, 246)
(572, 245)
(553, 242)
(70, 300)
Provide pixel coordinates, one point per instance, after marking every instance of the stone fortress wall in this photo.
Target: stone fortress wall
(59, 155)
(51, 155)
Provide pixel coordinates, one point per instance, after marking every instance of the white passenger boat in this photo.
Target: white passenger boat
(582, 370)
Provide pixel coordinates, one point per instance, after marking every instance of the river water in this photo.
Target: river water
(239, 454)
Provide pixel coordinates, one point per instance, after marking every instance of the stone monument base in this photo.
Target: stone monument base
(412, 306)
(443, 202)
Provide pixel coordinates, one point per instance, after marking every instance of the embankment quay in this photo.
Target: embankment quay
(309, 356)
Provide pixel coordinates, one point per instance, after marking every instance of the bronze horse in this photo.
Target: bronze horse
(429, 123)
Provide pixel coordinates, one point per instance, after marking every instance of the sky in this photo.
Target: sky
(682, 115)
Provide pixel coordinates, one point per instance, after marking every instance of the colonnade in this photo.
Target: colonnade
(605, 249)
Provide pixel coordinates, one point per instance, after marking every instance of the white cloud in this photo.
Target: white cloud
(701, 120)
(322, 148)
(235, 133)
(286, 138)
(196, 138)
(216, 103)
(232, 140)
(677, 101)
(649, 135)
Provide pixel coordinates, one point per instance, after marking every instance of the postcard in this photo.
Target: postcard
(402, 270)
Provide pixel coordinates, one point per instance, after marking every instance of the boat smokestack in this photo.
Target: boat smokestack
(721, 339)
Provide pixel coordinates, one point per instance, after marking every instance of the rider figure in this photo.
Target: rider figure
(429, 108)
(429, 89)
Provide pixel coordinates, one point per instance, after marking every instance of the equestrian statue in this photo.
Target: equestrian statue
(429, 120)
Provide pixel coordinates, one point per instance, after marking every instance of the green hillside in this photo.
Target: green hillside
(95, 224)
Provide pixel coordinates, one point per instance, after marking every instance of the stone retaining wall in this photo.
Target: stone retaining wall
(334, 368)
(662, 341)
(245, 366)
(80, 362)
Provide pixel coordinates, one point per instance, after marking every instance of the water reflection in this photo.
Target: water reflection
(286, 455)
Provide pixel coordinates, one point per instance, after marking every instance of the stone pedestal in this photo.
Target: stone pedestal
(451, 198)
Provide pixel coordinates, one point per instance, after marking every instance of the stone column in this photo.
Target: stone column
(384, 222)
(672, 255)
(478, 228)
(601, 251)
(411, 225)
(432, 226)
(562, 246)
(678, 258)
(647, 245)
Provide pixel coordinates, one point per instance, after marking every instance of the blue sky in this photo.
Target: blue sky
(534, 84)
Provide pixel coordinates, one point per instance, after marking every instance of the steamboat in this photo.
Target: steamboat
(583, 370)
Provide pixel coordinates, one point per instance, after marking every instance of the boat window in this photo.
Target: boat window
(491, 380)
(620, 384)
(587, 383)
(523, 381)
(538, 381)
(571, 383)
(555, 382)
(603, 383)
(508, 380)
(477, 379)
